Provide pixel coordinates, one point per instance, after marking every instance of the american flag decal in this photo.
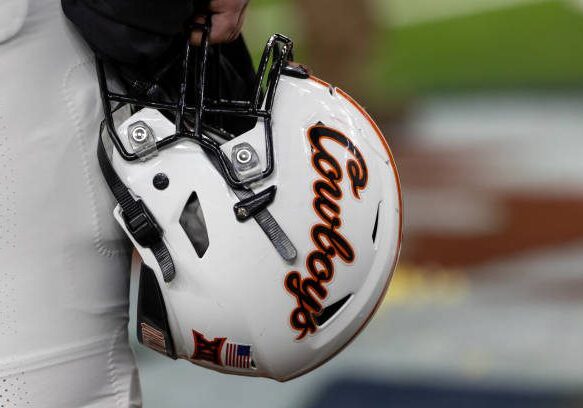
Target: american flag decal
(238, 356)
(153, 338)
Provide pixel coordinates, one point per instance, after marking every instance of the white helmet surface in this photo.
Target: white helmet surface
(274, 275)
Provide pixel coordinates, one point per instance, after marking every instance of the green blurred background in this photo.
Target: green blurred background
(422, 46)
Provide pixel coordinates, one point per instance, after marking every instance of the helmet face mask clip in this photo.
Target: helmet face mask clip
(265, 250)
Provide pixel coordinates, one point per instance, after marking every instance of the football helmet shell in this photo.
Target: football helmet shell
(235, 303)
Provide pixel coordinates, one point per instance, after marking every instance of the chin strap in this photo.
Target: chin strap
(268, 224)
(139, 222)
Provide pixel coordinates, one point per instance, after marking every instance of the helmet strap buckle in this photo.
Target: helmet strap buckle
(143, 227)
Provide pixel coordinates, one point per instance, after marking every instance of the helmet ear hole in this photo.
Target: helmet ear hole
(152, 319)
(194, 225)
(376, 224)
(330, 311)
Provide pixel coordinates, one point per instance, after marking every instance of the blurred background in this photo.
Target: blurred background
(482, 104)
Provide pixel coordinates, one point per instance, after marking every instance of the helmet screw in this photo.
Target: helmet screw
(242, 212)
(244, 156)
(161, 181)
(140, 132)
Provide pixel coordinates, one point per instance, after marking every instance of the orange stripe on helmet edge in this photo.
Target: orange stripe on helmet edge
(398, 182)
(319, 81)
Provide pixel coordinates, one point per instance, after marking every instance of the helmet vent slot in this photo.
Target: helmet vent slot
(376, 223)
(193, 223)
(330, 311)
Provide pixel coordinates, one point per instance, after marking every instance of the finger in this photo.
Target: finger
(227, 22)
(196, 35)
(226, 27)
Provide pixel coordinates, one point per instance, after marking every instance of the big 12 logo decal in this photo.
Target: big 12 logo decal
(310, 291)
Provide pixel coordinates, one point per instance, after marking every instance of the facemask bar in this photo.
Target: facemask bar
(189, 120)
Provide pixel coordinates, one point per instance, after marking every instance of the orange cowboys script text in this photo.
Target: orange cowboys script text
(310, 291)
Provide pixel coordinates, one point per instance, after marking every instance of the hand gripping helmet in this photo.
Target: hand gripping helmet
(265, 252)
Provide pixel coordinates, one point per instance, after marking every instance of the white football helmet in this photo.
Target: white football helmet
(265, 253)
